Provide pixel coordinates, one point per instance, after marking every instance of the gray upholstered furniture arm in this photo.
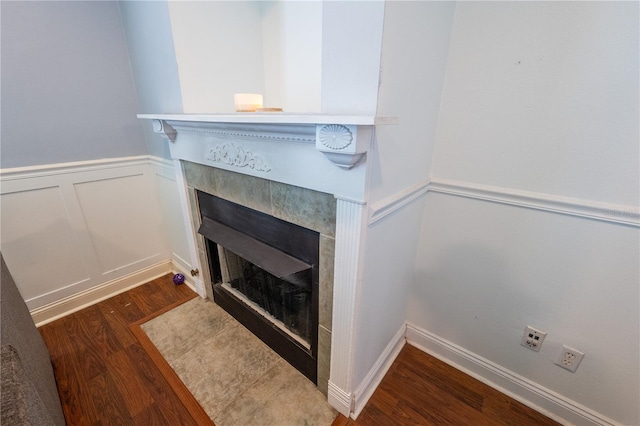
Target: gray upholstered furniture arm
(29, 393)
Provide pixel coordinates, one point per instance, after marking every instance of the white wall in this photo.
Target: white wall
(351, 49)
(226, 47)
(414, 57)
(414, 54)
(174, 223)
(292, 54)
(219, 52)
(487, 270)
(67, 88)
(544, 97)
(540, 101)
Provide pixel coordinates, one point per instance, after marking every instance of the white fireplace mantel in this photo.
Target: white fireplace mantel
(275, 118)
(343, 139)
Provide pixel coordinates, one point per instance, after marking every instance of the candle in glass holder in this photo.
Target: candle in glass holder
(247, 102)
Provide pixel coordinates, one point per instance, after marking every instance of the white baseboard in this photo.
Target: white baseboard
(531, 394)
(339, 399)
(370, 383)
(351, 404)
(83, 299)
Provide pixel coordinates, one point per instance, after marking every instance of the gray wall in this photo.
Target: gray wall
(147, 27)
(67, 88)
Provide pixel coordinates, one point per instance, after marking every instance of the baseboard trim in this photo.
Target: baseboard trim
(531, 394)
(91, 296)
(339, 399)
(371, 382)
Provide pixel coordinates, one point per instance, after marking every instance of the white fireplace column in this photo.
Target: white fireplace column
(350, 222)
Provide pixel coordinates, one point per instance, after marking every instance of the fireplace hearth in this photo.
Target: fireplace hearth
(264, 272)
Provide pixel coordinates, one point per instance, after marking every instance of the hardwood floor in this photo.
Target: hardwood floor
(104, 374)
(419, 389)
(108, 373)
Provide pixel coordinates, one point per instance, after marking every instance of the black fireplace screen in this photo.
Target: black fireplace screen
(288, 303)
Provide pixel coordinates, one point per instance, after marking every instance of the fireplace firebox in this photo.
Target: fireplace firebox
(264, 273)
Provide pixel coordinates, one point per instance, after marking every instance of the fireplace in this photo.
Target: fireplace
(312, 211)
(307, 169)
(264, 272)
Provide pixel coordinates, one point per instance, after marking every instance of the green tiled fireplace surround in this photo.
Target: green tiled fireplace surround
(310, 209)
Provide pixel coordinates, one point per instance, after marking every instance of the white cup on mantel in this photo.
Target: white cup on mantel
(247, 102)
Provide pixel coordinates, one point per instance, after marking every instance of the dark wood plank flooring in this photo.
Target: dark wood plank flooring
(108, 374)
(104, 374)
(419, 389)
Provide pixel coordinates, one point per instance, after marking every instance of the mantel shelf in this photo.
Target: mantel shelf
(275, 118)
(343, 139)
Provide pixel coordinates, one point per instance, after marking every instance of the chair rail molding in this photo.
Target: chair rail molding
(606, 212)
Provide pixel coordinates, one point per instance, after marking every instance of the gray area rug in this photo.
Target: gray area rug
(236, 378)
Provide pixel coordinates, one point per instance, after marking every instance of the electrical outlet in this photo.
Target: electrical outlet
(533, 338)
(569, 358)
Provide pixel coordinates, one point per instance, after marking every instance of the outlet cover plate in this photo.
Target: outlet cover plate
(569, 358)
(532, 338)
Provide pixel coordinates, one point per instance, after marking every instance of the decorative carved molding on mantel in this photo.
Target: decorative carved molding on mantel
(233, 155)
(274, 132)
(168, 132)
(335, 136)
(343, 145)
(344, 140)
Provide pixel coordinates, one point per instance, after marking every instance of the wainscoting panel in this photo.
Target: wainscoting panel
(68, 228)
(170, 206)
(122, 218)
(39, 243)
